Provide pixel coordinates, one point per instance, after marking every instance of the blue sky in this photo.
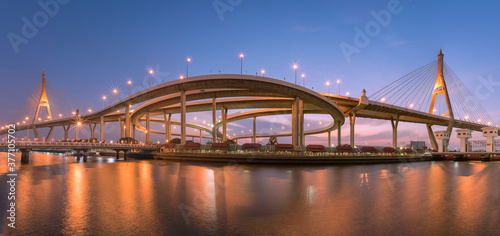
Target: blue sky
(87, 47)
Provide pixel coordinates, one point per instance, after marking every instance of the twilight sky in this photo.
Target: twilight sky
(88, 47)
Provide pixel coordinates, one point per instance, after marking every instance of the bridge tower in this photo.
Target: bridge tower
(440, 88)
(43, 102)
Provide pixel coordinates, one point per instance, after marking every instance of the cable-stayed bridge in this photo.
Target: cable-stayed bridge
(432, 95)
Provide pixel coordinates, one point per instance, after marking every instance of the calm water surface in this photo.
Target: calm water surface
(56, 196)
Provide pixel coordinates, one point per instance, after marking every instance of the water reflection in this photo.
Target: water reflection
(59, 196)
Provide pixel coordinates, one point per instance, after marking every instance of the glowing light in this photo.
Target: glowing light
(328, 83)
(262, 71)
(308, 125)
(383, 99)
(17, 123)
(129, 82)
(303, 75)
(195, 118)
(26, 118)
(338, 81)
(103, 97)
(347, 94)
(79, 123)
(74, 113)
(489, 123)
(478, 120)
(151, 72)
(24, 122)
(188, 59)
(60, 115)
(241, 55)
(411, 105)
(295, 66)
(182, 77)
(466, 117)
(48, 117)
(115, 91)
(39, 118)
(90, 110)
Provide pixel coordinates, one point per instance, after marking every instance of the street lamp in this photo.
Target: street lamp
(338, 82)
(241, 58)
(187, 67)
(129, 82)
(103, 99)
(79, 124)
(263, 72)
(114, 94)
(295, 68)
(303, 81)
(328, 84)
(150, 73)
(28, 130)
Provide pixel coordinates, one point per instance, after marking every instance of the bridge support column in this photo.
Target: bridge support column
(37, 136)
(133, 131)
(102, 129)
(49, 134)
(214, 120)
(339, 134)
(127, 121)
(183, 117)
(25, 156)
(301, 120)
(254, 130)
(224, 124)
(295, 122)
(66, 131)
(432, 138)
(464, 135)
(121, 127)
(329, 138)
(394, 124)
(167, 126)
(443, 137)
(92, 130)
(148, 128)
(352, 121)
(490, 133)
(201, 137)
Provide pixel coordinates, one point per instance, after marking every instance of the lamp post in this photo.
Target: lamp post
(114, 94)
(129, 82)
(150, 73)
(295, 68)
(263, 72)
(328, 84)
(103, 99)
(241, 59)
(28, 130)
(303, 81)
(338, 82)
(79, 124)
(187, 67)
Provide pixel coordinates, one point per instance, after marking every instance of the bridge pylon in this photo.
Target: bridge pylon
(43, 102)
(440, 88)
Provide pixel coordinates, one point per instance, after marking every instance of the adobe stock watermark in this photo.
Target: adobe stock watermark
(30, 27)
(372, 29)
(221, 7)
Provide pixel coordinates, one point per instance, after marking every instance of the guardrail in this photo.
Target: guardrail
(75, 144)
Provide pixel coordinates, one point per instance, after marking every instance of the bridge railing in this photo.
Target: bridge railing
(73, 144)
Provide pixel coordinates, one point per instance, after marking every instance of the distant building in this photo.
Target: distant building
(417, 144)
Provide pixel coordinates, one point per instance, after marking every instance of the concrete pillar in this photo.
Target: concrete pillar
(254, 130)
(133, 131)
(432, 138)
(490, 133)
(201, 137)
(183, 117)
(25, 156)
(148, 128)
(329, 138)
(464, 135)
(37, 136)
(66, 131)
(102, 128)
(167, 125)
(339, 134)
(224, 123)
(352, 121)
(121, 127)
(442, 138)
(92, 130)
(394, 124)
(301, 120)
(295, 122)
(214, 120)
(127, 122)
(49, 134)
